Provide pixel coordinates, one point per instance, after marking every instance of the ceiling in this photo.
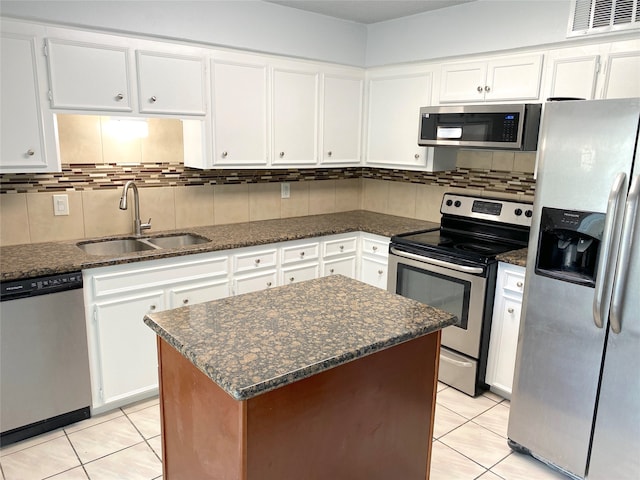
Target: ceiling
(368, 11)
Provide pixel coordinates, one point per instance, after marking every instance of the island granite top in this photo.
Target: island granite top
(256, 342)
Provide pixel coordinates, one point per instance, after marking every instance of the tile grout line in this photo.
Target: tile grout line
(141, 434)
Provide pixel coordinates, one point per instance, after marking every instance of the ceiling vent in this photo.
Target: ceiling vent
(590, 17)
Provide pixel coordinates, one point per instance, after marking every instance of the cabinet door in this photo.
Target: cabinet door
(622, 75)
(342, 117)
(503, 344)
(22, 145)
(513, 78)
(126, 348)
(463, 82)
(254, 282)
(374, 272)
(170, 84)
(200, 292)
(295, 117)
(573, 76)
(84, 76)
(394, 110)
(240, 124)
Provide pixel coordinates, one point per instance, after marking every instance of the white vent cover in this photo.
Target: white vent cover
(589, 17)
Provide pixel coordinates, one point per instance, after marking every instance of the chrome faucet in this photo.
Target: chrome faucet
(138, 226)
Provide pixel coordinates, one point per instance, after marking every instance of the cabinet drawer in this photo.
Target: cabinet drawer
(377, 248)
(254, 282)
(297, 253)
(513, 281)
(191, 294)
(251, 260)
(299, 273)
(138, 276)
(374, 272)
(341, 266)
(340, 246)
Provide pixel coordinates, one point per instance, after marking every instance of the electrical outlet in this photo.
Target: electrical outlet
(61, 205)
(285, 190)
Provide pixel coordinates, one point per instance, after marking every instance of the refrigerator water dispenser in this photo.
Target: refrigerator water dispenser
(568, 245)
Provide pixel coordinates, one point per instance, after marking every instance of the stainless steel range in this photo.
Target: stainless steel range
(454, 268)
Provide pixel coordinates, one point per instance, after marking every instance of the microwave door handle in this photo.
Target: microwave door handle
(438, 263)
(629, 225)
(608, 251)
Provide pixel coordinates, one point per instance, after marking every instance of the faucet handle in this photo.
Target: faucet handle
(146, 226)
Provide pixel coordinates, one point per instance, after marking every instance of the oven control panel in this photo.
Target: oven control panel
(497, 210)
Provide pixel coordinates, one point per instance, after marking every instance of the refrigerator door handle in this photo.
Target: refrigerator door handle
(608, 251)
(628, 228)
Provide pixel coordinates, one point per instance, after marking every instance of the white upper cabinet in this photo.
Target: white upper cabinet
(494, 80)
(394, 102)
(87, 76)
(27, 141)
(341, 119)
(171, 84)
(239, 87)
(573, 72)
(622, 70)
(295, 115)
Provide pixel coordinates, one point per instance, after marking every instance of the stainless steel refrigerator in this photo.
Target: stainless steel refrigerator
(576, 393)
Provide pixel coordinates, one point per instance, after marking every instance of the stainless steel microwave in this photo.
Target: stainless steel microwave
(505, 126)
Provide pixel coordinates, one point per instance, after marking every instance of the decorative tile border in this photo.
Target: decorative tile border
(110, 176)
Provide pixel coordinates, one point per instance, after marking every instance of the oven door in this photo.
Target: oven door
(457, 289)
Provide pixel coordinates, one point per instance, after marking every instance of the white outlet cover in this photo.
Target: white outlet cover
(61, 204)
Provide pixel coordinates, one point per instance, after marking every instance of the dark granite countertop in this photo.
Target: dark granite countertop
(250, 344)
(34, 260)
(517, 257)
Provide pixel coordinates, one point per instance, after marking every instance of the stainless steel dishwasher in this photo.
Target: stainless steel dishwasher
(44, 361)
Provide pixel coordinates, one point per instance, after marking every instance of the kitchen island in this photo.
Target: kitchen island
(329, 378)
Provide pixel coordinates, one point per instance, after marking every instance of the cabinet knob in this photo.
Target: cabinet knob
(185, 301)
(341, 248)
(153, 99)
(519, 284)
(301, 254)
(374, 248)
(480, 88)
(331, 271)
(510, 309)
(268, 284)
(224, 154)
(31, 152)
(487, 88)
(380, 272)
(152, 307)
(416, 156)
(291, 279)
(119, 97)
(281, 154)
(329, 153)
(257, 261)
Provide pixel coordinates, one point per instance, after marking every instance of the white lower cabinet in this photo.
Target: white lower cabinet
(505, 326)
(374, 260)
(340, 266)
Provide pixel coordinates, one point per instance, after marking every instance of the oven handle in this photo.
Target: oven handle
(439, 263)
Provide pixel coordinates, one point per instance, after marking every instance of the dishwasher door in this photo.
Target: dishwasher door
(44, 364)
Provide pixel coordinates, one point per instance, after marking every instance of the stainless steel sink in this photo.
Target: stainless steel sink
(119, 246)
(178, 240)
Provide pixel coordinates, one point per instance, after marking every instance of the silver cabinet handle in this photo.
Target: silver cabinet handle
(608, 252)
(374, 248)
(487, 88)
(380, 272)
(185, 301)
(224, 154)
(281, 154)
(119, 97)
(331, 271)
(439, 263)
(480, 88)
(341, 248)
(329, 153)
(291, 279)
(630, 225)
(416, 156)
(301, 254)
(153, 99)
(510, 309)
(519, 284)
(268, 284)
(152, 307)
(257, 261)
(31, 152)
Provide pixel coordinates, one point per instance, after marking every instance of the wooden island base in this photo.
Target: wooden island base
(371, 418)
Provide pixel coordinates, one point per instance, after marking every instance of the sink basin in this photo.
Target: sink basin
(175, 241)
(115, 247)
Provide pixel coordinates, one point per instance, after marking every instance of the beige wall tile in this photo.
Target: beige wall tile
(322, 197)
(524, 162)
(402, 199)
(164, 143)
(80, 138)
(502, 161)
(297, 205)
(428, 201)
(481, 159)
(159, 204)
(348, 194)
(14, 219)
(102, 215)
(194, 206)
(45, 226)
(375, 195)
(264, 201)
(230, 204)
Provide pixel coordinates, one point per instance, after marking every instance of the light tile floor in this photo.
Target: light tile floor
(469, 443)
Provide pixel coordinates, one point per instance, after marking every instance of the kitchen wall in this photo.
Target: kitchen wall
(96, 165)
